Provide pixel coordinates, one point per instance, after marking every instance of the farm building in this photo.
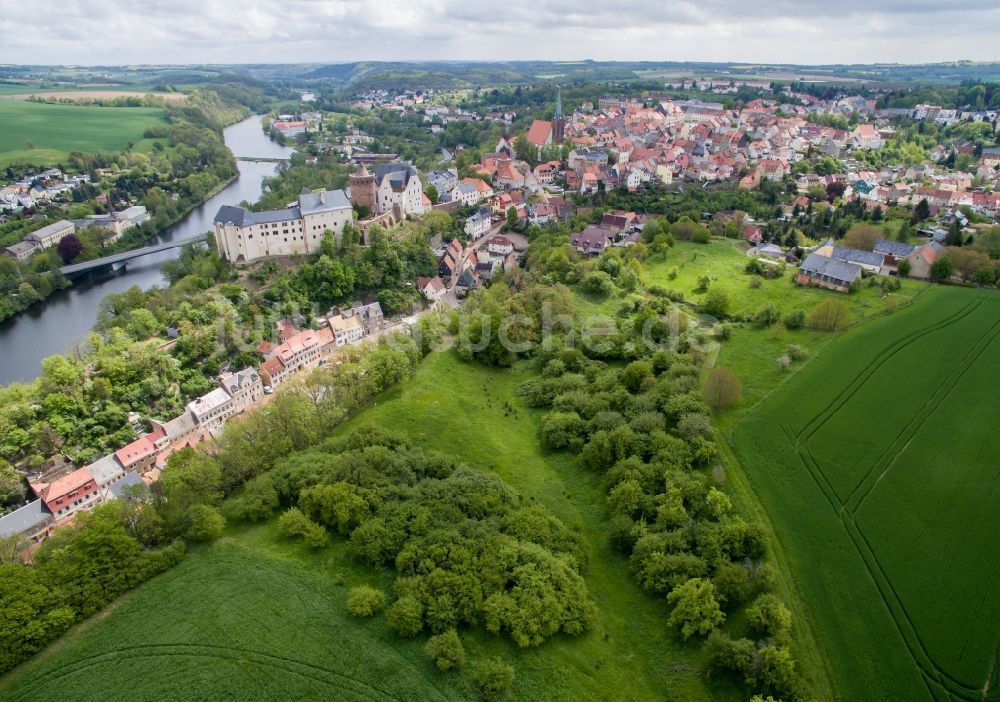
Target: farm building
(827, 272)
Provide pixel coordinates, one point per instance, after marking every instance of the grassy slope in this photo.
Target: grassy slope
(249, 617)
(913, 512)
(55, 130)
(460, 408)
(252, 592)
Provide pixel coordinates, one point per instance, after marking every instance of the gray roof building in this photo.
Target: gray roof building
(858, 256)
(896, 249)
(26, 519)
(830, 270)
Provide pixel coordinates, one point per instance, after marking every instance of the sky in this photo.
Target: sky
(92, 32)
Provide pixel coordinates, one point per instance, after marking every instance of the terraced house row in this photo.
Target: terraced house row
(63, 492)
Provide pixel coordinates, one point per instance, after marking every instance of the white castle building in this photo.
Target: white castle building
(242, 235)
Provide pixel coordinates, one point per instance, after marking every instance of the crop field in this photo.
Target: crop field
(723, 262)
(253, 616)
(42, 134)
(96, 94)
(877, 464)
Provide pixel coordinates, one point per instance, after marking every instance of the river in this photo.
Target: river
(63, 320)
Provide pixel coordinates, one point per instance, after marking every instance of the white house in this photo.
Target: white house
(398, 184)
(500, 246)
(51, 234)
(478, 225)
(431, 288)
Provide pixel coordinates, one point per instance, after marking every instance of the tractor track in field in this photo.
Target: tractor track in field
(909, 431)
(316, 673)
(934, 676)
(877, 362)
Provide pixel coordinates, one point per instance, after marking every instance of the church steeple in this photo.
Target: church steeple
(558, 122)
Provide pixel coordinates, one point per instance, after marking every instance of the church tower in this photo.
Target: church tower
(559, 122)
(363, 188)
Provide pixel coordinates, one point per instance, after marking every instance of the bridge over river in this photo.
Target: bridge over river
(78, 268)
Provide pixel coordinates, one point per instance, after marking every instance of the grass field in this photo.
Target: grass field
(254, 617)
(56, 130)
(877, 465)
(723, 261)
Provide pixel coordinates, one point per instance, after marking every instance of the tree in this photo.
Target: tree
(492, 678)
(716, 304)
(512, 220)
(954, 236)
(406, 616)
(921, 211)
(204, 523)
(696, 610)
(597, 283)
(829, 315)
(794, 319)
(863, 236)
(432, 193)
(635, 375)
(446, 650)
(942, 269)
(768, 616)
(69, 247)
(722, 389)
(904, 267)
(365, 601)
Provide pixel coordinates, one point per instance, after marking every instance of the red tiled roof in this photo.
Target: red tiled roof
(540, 132)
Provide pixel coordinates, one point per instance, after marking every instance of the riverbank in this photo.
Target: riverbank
(68, 315)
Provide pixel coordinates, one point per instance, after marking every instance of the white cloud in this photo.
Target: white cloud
(93, 32)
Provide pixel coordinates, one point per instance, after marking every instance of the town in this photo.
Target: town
(429, 365)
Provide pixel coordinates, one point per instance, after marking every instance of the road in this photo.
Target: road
(478, 245)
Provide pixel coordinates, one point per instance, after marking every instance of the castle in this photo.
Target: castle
(242, 236)
(392, 185)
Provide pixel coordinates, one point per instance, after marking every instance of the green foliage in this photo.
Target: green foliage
(716, 304)
(942, 269)
(204, 523)
(492, 678)
(796, 319)
(294, 523)
(406, 616)
(829, 316)
(597, 283)
(768, 616)
(446, 650)
(365, 601)
(696, 610)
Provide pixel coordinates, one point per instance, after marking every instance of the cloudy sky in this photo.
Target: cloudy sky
(250, 31)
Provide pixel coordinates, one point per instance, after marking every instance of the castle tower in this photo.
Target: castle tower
(363, 188)
(559, 122)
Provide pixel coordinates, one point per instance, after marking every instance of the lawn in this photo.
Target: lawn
(253, 616)
(724, 260)
(877, 465)
(56, 130)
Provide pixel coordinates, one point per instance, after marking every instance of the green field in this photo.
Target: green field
(877, 465)
(724, 260)
(252, 616)
(56, 130)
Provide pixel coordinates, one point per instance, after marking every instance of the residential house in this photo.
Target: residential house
(500, 245)
(69, 494)
(30, 522)
(921, 259)
(245, 387)
(592, 240)
(478, 225)
(865, 137)
(892, 252)
(431, 288)
(347, 329)
(369, 315)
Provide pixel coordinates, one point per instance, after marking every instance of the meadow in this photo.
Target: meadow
(723, 261)
(42, 134)
(254, 615)
(876, 464)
